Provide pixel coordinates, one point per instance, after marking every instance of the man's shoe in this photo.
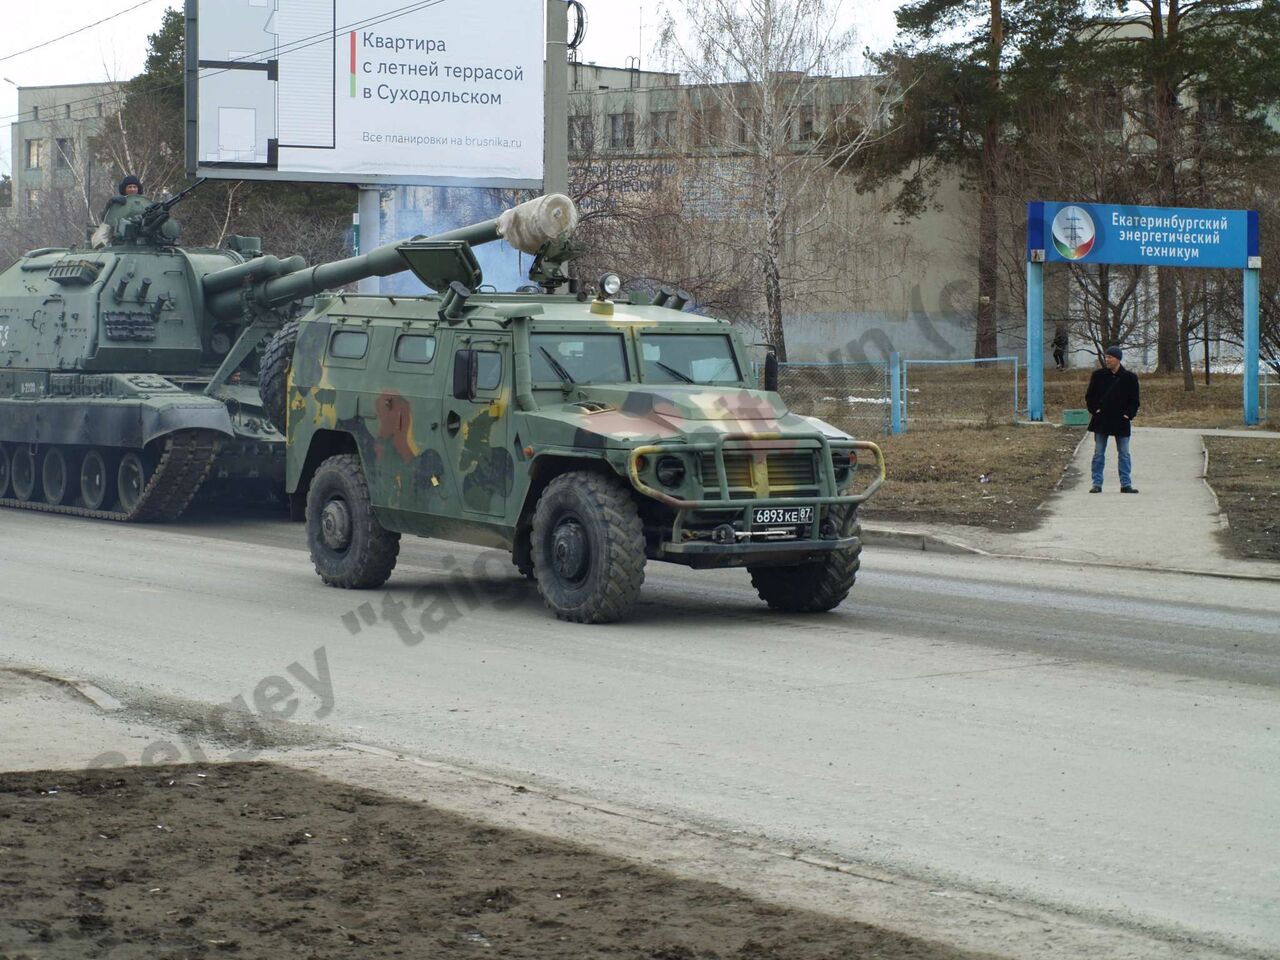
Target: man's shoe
(1095, 489)
(1128, 489)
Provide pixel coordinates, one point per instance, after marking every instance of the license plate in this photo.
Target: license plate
(781, 516)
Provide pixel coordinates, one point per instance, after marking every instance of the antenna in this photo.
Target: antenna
(640, 39)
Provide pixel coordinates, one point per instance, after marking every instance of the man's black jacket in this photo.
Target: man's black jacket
(1112, 398)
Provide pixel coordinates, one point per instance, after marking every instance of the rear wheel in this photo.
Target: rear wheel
(131, 481)
(23, 466)
(55, 472)
(97, 481)
(588, 548)
(4, 471)
(349, 547)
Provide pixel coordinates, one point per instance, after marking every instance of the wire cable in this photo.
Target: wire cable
(289, 48)
(96, 23)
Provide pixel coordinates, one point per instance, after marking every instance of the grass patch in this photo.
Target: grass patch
(1245, 474)
(937, 475)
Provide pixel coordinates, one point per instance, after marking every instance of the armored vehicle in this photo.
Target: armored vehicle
(585, 435)
(128, 373)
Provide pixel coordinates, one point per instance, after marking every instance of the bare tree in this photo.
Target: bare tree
(770, 133)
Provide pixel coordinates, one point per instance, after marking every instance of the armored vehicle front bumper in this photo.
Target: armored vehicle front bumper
(721, 527)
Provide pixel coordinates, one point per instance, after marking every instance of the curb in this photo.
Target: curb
(86, 690)
(924, 542)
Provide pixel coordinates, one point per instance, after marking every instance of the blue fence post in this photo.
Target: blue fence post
(1251, 346)
(1035, 341)
(895, 393)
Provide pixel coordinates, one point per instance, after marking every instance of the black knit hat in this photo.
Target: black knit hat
(130, 179)
(1115, 352)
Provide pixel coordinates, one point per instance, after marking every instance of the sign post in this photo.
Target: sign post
(1146, 236)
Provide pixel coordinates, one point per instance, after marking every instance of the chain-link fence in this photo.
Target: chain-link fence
(1268, 383)
(853, 396)
(960, 391)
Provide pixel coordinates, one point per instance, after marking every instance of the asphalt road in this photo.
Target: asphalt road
(1088, 739)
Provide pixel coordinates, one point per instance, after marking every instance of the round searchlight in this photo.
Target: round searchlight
(610, 284)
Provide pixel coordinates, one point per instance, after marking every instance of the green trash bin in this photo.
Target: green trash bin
(1075, 418)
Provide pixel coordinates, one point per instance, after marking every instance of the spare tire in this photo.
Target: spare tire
(273, 375)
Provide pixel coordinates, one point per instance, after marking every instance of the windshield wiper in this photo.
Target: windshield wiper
(674, 372)
(560, 371)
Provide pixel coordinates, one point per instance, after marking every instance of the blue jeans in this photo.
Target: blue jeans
(1100, 459)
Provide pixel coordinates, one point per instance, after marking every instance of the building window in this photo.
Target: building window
(65, 155)
(622, 130)
(33, 198)
(35, 154)
(662, 124)
(706, 124)
(66, 110)
(804, 125)
(746, 123)
(35, 113)
(581, 134)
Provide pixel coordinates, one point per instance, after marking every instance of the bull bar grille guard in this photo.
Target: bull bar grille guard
(824, 445)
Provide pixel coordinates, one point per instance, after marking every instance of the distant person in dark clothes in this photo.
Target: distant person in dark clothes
(1060, 349)
(129, 186)
(1112, 399)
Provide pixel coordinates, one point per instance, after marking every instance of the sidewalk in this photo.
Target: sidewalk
(1173, 524)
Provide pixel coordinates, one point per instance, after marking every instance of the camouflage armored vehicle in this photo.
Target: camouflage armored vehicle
(128, 373)
(585, 436)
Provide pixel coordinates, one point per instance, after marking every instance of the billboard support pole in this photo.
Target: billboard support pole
(1252, 277)
(555, 172)
(370, 232)
(191, 70)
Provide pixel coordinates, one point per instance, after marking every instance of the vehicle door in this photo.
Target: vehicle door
(476, 421)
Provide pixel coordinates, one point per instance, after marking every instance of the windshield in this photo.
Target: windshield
(579, 358)
(689, 358)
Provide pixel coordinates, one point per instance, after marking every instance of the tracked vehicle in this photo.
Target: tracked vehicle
(128, 373)
(586, 435)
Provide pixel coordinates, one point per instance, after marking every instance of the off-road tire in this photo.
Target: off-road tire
(273, 374)
(371, 551)
(597, 512)
(810, 587)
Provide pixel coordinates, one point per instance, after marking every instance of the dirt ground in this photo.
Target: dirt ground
(938, 475)
(1245, 474)
(257, 860)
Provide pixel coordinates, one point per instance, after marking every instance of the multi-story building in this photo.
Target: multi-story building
(52, 142)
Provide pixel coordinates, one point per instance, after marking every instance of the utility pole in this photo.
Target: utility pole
(555, 157)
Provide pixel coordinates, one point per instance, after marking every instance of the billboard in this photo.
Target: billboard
(433, 92)
(1158, 236)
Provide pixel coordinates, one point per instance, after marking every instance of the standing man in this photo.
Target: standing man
(1060, 348)
(1112, 399)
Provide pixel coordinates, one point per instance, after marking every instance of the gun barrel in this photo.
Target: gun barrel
(527, 226)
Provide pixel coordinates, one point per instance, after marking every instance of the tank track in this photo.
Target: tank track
(185, 461)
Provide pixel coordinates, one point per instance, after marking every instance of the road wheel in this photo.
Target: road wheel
(24, 479)
(273, 374)
(588, 548)
(808, 587)
(131, 481)
(4, 471)
(56, 476)
(349, 547)
(97, 481)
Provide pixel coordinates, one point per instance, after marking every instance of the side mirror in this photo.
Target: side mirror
(466, 374)
(771, 372)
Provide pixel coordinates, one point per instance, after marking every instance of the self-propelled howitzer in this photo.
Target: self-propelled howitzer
(129, 372)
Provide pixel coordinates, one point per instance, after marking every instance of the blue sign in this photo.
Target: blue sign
(1158, 236)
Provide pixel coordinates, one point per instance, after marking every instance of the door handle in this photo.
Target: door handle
(453, 422)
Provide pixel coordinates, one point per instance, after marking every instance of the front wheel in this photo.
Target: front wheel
(588, 548)
(349, 547)
(813, 587)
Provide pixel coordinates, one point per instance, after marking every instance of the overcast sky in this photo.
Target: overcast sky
(116, 49)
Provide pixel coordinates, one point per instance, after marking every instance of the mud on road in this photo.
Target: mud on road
(259, 860)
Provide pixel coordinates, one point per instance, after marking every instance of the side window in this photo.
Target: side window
(349, 344)
(490, 370)
(414, 348)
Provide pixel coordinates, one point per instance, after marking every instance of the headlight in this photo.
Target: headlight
(670, 471)
(610, 284)
(844, 461)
